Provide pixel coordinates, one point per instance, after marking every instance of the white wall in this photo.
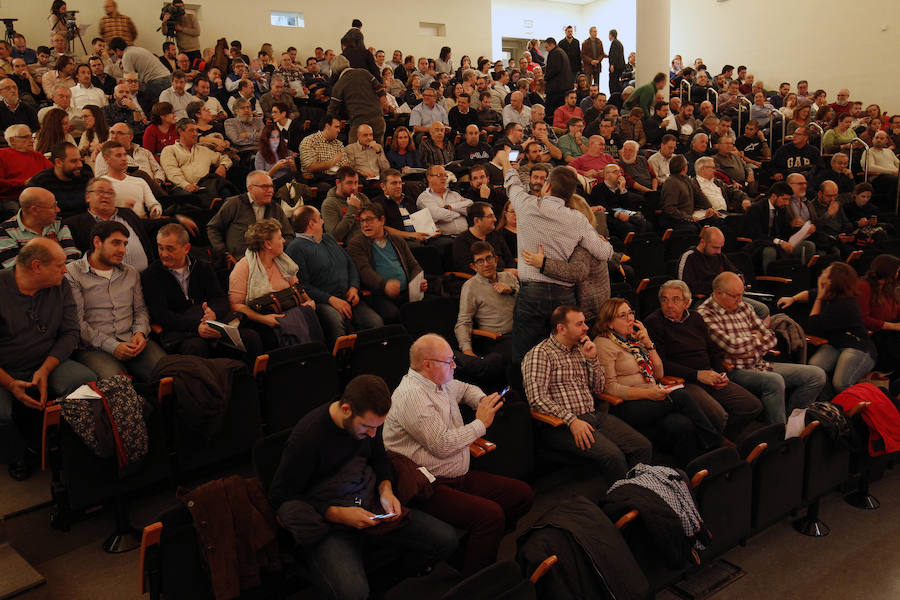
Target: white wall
(831, 45)
(248, 20)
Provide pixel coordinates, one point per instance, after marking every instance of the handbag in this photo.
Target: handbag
(278, 302)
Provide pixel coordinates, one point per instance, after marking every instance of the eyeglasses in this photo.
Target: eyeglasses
(625, 315)
(484, 260)
(102, 192)
(265, 186)
(735, 296)
(446, 362)
(368, 220)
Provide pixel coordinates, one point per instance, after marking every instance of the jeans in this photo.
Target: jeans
(616, 448)
(335, 325)
(535, 303)
(67, 376)
(337, 563)
(844, 367)
(485, 505)
(803, 250)
(805, 381)
(106, 365)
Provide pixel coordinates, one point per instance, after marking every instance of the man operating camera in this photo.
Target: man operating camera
(183, 26)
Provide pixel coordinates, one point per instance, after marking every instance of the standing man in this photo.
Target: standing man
(616, 62)
(114, 24)
(360, 96)
(592, 55)
(558, 230)
(571, 46)
(151, 74)
(187, 31)
(557, 75)
(38, 332)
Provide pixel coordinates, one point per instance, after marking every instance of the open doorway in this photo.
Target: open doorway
(513, 48)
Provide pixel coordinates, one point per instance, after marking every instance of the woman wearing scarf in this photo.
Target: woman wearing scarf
(264, 269)
(633, 369)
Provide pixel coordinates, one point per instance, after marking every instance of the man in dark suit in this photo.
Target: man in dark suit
(182, 294)
(557, 75)
(768, 224)
(101, 201)
(572, 47)
(616, 62)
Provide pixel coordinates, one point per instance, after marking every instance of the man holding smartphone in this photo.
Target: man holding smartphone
(425, 425)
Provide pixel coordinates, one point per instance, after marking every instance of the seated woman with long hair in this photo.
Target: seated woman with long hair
(394, 87)
(835, 315)
(633, 370)
(274, 157)
(96, 132)
(507, 226)
(413, 95)
(264, 269)
(879, 302)
(402, 154)
(54, 129)
(162, 131)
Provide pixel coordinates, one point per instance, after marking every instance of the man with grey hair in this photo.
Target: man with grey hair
(38, 332)
(62, 98)
(37, 217)
(361, 97)
(182, 294)
(699, 148)
(637, 169)
(227, 227)
(721, 196)
(425, 425)
(682, 340)
(12, 110)
(17, 164)
(278, 92)
(244, 129)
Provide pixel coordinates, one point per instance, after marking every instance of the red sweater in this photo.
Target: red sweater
(16, 168)
(874, 315)
(881, 416)
(155, 140)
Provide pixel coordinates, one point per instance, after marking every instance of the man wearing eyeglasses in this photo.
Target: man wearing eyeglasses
(38, 332)
(481, 220)
(36, 218)
(17, 164)
(227, 227)
(744, 340)
(425, 425)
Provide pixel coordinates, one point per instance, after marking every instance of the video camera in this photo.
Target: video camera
(175, 12)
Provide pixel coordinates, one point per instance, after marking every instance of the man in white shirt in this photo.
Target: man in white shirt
(137, 156)
(131, 192)
(62, 98)
(425, 425)
(84, 92)
(447, 208)
(516, 111)
(882, 165)
(660, 160)
(177, 96)
(200, 90)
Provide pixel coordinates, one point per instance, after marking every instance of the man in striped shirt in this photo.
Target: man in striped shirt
(545, 221)
(36, 218)
(562, 377)
(745, 340)
(425, 425)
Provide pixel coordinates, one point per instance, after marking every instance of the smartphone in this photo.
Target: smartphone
(513, 155)
(503, 392)
(636, 328)
(383, 516)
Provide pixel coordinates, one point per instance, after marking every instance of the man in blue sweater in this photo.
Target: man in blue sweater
(330, 277)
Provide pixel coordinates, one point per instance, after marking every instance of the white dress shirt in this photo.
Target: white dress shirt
(450, 221)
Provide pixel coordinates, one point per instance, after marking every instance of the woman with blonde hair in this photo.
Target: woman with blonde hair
(266, 271)
(634, 370)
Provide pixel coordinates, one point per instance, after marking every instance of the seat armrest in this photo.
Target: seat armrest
(627, 518)
(166, 385)
(548, 419)
(809, 429)
(52, 415)
(485, 445)
(756, 452)
(344, 342)
(157, 329)
(610, 399)
(543, 568)
(476, 451)
(855, 410)
(671, 380)
(260, 366)
(816, 340)
(698, 478)
(491, 335)
(149, 539)
(458, 274)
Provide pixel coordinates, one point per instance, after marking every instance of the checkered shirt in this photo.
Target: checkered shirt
(734, 333)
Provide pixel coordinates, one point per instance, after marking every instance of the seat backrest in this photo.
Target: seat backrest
(431, 315)
(297, 380)
(429, 259)
(724, 498)
(744, 264)
(647, 255)
(182, 573)
(267, 456)
(382, 353)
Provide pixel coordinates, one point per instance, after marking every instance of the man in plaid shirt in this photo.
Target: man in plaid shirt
(562, 376)
(744, 340)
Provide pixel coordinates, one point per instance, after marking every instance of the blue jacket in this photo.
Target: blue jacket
(325, 269)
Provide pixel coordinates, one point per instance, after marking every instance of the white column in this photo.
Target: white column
(653, 22)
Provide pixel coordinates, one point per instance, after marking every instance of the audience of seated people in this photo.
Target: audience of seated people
(82, 202)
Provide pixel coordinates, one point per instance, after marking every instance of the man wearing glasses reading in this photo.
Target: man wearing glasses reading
(745, 340)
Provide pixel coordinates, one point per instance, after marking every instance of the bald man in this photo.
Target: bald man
(36, 218)
(425, 425)
(698, 266)
(38, 331)
(365, 155)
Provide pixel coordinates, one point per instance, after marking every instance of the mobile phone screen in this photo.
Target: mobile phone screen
(503, 393)
(513, 155)
(384, 516)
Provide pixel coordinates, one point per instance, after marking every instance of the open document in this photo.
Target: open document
(422, 221)
(230, 334)
(415, 287)
(801, 234)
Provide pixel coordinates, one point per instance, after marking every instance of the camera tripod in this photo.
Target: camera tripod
(72, 31)
(10, 31)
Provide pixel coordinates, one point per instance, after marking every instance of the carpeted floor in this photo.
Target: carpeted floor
(856, 561)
